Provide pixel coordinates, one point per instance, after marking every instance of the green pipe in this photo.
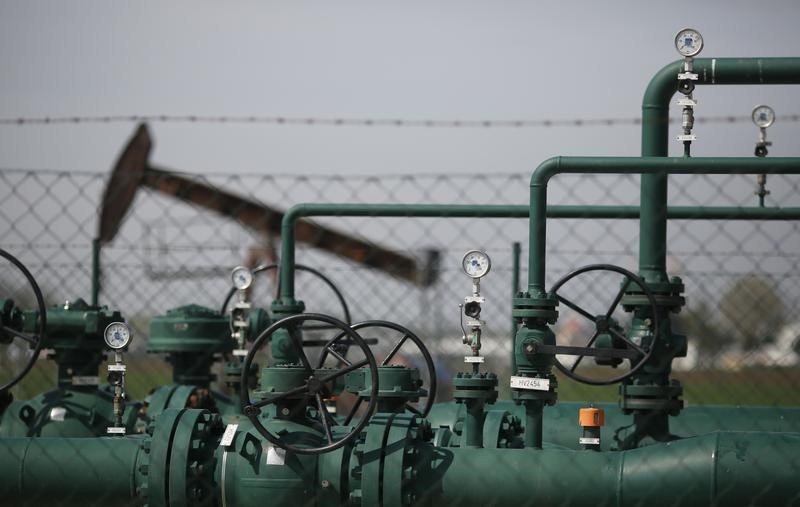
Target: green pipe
(655, 137)
(628, 165)
(498, 211)
(182, 463)
(714, 469)
(515, 268)
(69, 472)
(560, 427)
(95, 271)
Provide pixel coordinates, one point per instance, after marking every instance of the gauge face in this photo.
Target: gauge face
(476, 263)
(763, 116)
(242, 277)
(117, 335)
(688, 42)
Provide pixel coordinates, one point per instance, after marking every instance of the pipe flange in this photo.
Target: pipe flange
(502, 430)
(475, 386)
(651, 398)
(281, 308)
(666, 294)
(389, 460)
(182, 450)
(539, 306)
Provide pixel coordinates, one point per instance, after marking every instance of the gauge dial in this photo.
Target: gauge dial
(476, 263)
(689, 42)
(117, 335)
(763, 116)
(242, 277)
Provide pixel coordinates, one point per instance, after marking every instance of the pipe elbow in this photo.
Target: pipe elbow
(546, 170)
(292, 215)
(662, 86)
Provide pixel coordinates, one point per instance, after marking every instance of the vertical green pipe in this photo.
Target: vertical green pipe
(534, 410)
(95, 271)
(473, 422)
(537, 243)
(516, 252)
(653, 191)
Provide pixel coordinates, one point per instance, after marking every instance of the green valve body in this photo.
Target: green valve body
(194, 338)
(190, 335)
(75, 334)
(82, 404)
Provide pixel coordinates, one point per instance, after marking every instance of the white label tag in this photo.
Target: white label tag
(115, 431)
(117, 367)
(227, 437)
(473, 359)
(85, 381)
(58, 413)
(589, 441)
(535, 384)
(240, 352)
(276, 456)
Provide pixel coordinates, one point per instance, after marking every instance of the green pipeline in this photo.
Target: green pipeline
(560, 427)
(183, 464)
(629, 165)
(655, 133)
(498, 211)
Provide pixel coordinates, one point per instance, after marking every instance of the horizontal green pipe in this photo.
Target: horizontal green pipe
(498, 211)
(70, 471)
(719, 71)
(628, 165)
(714, 469)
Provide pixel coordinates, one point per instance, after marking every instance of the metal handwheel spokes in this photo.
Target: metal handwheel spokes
(8, 333)
(299, 267)
(619, 346)
(315, 384)
(405, 337)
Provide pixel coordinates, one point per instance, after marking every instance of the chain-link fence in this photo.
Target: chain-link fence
(178, 238)
(741, 277)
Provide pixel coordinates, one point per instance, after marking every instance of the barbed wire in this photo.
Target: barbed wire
(362, 122)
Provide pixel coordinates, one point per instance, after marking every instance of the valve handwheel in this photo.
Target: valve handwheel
(298, 267)
(34, 340)
(406, 336)
(637, 354)
(314, 386)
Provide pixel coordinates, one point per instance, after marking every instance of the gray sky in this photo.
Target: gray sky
(412, 60)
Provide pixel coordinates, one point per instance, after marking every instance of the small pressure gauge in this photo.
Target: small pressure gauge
(117, 335)
(763, 116)
(242, 277)
(476, 263)
(689, 42)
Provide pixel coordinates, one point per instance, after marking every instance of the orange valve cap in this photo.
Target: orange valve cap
(591, 417)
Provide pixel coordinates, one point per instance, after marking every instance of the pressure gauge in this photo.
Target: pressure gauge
(763, 116)
(117, 335)
(242, 277)
(689, 42)
(476, 263)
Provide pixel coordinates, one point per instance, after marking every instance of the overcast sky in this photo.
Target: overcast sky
(411, 60)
